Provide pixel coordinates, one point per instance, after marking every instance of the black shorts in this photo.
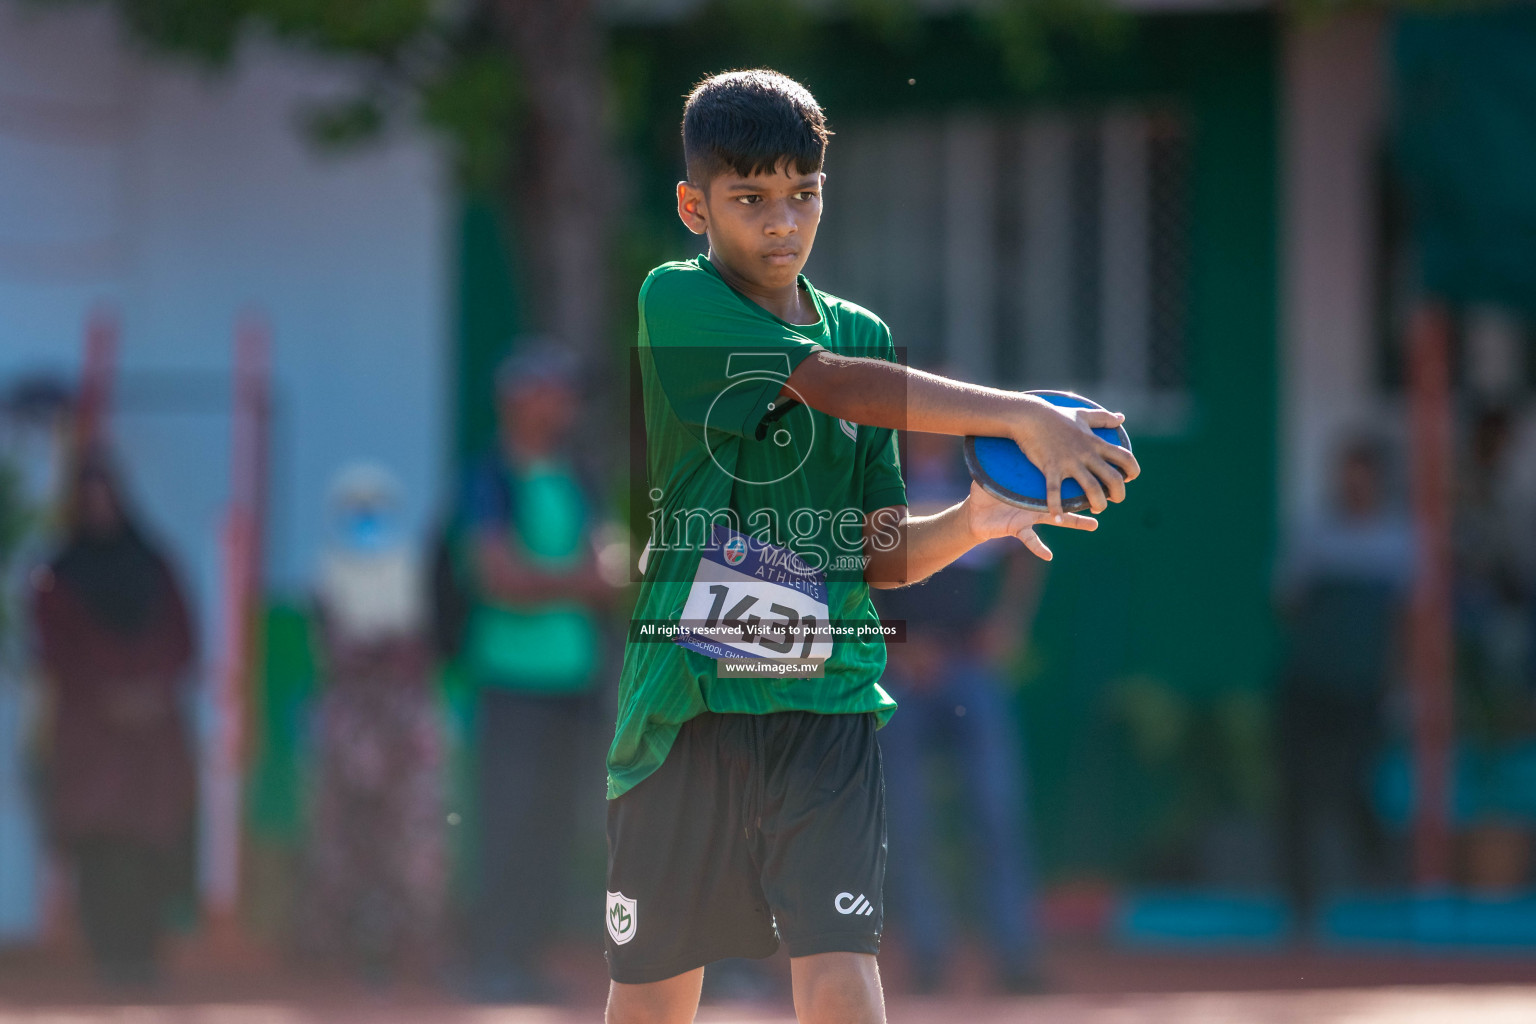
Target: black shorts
(756, 828)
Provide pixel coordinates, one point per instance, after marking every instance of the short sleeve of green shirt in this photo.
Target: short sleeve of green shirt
(883, 486)
(882, 482)
(720, 362)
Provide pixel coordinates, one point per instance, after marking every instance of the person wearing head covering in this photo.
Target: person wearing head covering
(532, 648)
(377, 857)
(115, 643)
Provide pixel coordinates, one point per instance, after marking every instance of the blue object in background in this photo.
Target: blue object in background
(1184, 919)
(1444, 920)
(1487, 784)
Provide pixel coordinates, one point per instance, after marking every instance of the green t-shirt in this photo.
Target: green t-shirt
(722, 452)
(551, 648)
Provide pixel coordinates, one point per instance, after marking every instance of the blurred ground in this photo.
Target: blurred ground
(1094, 986)
(1356, 1006)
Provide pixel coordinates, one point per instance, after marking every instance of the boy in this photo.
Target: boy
(745, 808)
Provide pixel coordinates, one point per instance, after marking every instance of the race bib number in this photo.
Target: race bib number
(750, 599)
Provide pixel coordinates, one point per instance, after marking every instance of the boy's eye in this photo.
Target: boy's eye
(748, 200)
(806, 196)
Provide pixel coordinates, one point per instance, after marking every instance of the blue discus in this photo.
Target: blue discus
(999, 465)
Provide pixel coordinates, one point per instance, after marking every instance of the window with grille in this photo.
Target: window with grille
(1039, 251)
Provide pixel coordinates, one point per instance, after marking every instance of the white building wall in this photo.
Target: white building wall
(183, 198)
(1332, 115)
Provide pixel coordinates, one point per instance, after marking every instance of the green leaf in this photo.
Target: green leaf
(344, 123)
(1026, 31)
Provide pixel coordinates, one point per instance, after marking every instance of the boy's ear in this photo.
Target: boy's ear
(690, 207)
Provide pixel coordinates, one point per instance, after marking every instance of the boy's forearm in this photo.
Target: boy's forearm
(1059, 441)
(883, 394)
(929, 543)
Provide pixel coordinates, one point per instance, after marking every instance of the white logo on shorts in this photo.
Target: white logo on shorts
(621, 918)
(850, 428)
(854, 905)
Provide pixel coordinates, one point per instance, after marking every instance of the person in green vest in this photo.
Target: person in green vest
(532, 647)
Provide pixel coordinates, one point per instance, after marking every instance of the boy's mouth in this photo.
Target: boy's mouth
(779, 257)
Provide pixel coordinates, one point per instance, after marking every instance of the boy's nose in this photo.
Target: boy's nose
(780, 221)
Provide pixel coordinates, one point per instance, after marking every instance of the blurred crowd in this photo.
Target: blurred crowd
(515, 597)
(509, 592)
(1344, 589)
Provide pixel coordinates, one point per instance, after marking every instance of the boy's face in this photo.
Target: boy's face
(760, 227)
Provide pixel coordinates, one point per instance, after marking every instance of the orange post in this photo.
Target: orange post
(98, 370)
(243, 557)
(96, 375)
(1431, 669)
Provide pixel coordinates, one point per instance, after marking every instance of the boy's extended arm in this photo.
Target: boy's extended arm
(883, 394)
(905, 549)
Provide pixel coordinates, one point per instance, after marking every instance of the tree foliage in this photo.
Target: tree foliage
(445, 63)
(441, 63)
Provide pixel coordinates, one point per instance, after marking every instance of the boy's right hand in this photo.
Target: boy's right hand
(1060, 441)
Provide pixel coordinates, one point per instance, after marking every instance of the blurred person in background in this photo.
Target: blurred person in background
(377, 854)
(964, 627)
(1494, 531)
(116, 647)
(532, 648)
(1343, 590)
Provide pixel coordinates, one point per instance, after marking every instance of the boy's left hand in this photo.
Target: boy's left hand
(988, 518)
(1060, 441)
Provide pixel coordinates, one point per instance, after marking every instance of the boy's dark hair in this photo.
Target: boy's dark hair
(750, 122)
